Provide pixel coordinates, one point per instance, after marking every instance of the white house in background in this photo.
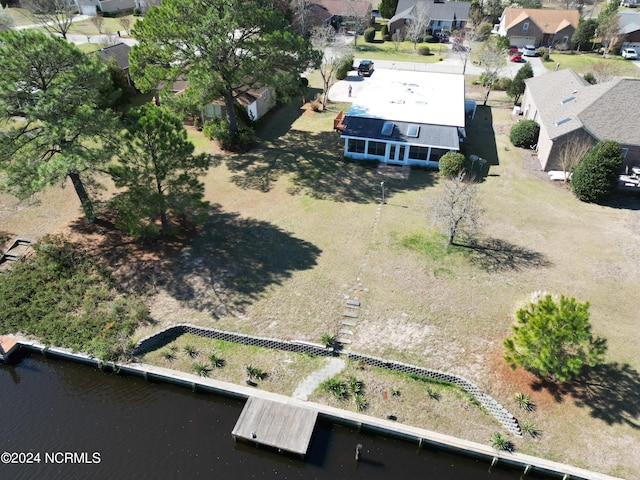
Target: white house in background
(89, 7)
(405, 118)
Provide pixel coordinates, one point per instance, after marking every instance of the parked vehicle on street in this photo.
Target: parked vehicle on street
(365, 69)
(442, 37)
(629, 53)
(529, 51)
(515, 57)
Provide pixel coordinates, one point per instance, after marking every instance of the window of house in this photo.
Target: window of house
(436, 153)
(525, 26)
(418, 153)
(413, 130)
(624, 152)
(565, 39)
(377, 148)
(356, 146)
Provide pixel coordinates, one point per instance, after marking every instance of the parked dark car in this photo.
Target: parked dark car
(365, 69)
(442, 37)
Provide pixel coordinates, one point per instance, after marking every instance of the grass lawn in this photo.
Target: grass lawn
(594, 63)
(403, 52)
(110, 25)
(294, 230)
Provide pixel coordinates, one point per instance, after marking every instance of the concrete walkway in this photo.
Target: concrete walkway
(309, 384)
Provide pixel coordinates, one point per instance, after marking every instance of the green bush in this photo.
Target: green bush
(369, 34)
(137, 12)
(345, 66)
(424, 51)
(546, 57)
(596, 176)
(451, 164)
(503, 84)
(590, 78)
(239, 141)
(384, 30)
(524, 134)
(483, 31)
(430, 39)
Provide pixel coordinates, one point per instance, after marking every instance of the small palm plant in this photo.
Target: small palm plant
(360, 401)
(355, 386)
(500, 442)
(529, 428)
(395, 392)
(254, 372)
(329, 341)
(433, 394)
(202, 369)
(217, 362)
(191, 351)
(524, 402)
(336, 387)
(167, 355)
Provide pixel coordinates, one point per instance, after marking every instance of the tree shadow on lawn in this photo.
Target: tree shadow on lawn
(610, 391)
(233, 261)
(496, 255)
(481, 137)
(314, 162)
(277, 122)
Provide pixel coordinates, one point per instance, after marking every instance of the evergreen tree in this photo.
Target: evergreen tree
(553, 339)
(160, 173)
(516, 89)
(51, 100)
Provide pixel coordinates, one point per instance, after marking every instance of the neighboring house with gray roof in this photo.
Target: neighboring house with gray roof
(566, 107)
(405, 118)
(629, 23)
(119, 53)
(538, 27)
(447, 16)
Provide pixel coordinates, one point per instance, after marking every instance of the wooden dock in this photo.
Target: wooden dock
(7, 346)
(278, 425)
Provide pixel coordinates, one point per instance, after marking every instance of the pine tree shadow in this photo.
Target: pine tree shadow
(610, 391)
(496, 255)
(233, 261)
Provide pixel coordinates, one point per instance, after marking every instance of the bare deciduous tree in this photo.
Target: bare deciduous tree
(462, 45)
(359, 13)
(98, 22)
(334, 49)
(125, 23)
(420, 19)
(397, 40)
(457, 210)
(302, 16)
(571, 153)
(55, 16)
(608, 31)
(492, 58)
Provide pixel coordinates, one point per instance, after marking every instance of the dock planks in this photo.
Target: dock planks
(278, 425)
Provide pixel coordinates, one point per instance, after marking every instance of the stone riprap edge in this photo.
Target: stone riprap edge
(507, 420)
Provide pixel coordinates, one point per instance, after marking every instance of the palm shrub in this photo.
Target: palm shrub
(336, 387)
(529, 428)
(524, 402)
(596, 176)
(524, 134)
(500, 442)
(360, 402)
(216, 362)
(191, 351)
(201, 369)
(451, 164)
(254, 372)
(369, 34)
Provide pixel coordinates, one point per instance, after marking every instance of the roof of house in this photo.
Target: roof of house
(629, 21)
(242, 95)
(548, 20)
(412, 97)
(607, 110)
(437, 10)
(120, 52)
(345, 8)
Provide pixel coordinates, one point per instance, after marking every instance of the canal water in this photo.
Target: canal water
(62, 420)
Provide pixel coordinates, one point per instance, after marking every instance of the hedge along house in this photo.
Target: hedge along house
(405, 118)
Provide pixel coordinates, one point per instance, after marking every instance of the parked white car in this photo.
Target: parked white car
(529, 51)
(629, 53)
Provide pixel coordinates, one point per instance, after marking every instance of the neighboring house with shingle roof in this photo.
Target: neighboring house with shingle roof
(629, 22)
(448, 16)
(538, 27)
(120, 54)
(405, 118)
(567, 107)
